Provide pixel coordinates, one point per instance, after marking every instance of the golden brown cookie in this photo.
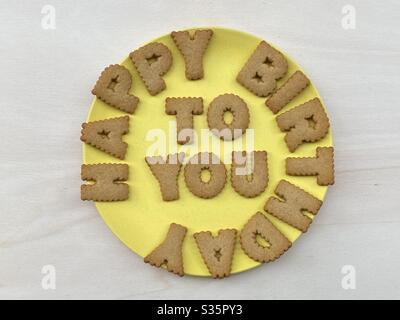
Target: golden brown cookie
(260, 226)
(107, 178)
(184, 109)
(287, 92)
(217, 252)
(198, 163)
(305, 123)
(152, 61)
(192, 50)
(264, 67)
(113, 88)
(320, 166)
(169, 252)
(215, 116)
(253, 183)
(106, 135)
(295, 203)
(166, 173)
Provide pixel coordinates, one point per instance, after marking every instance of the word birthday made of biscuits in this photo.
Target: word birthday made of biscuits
(305, 123)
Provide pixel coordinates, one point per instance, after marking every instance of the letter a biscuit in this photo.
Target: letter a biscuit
(169, 252)
(217, 252)
(106, 135)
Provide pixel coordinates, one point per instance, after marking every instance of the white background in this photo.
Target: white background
(45, 83)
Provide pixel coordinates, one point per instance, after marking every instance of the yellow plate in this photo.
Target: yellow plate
(142, 221)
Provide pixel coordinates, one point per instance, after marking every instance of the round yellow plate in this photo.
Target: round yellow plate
(143, 220)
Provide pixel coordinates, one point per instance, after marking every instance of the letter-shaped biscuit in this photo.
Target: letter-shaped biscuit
(264, 67)
(259, 225)
(106, 135)
(107, 186)
(166, 173)
(320, 166)
(113, 88)
(258, 181)
(198, 163)
(169, 252)
(217, 252)
(192, 50)
(215, 116)
(305, 123)
(152, 61)
(291, 210)
(184, 109)
(287, 92)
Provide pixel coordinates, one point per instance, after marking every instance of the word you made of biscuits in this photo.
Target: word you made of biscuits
(305, 123)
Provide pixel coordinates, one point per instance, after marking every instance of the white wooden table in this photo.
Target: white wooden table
(46, 77)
